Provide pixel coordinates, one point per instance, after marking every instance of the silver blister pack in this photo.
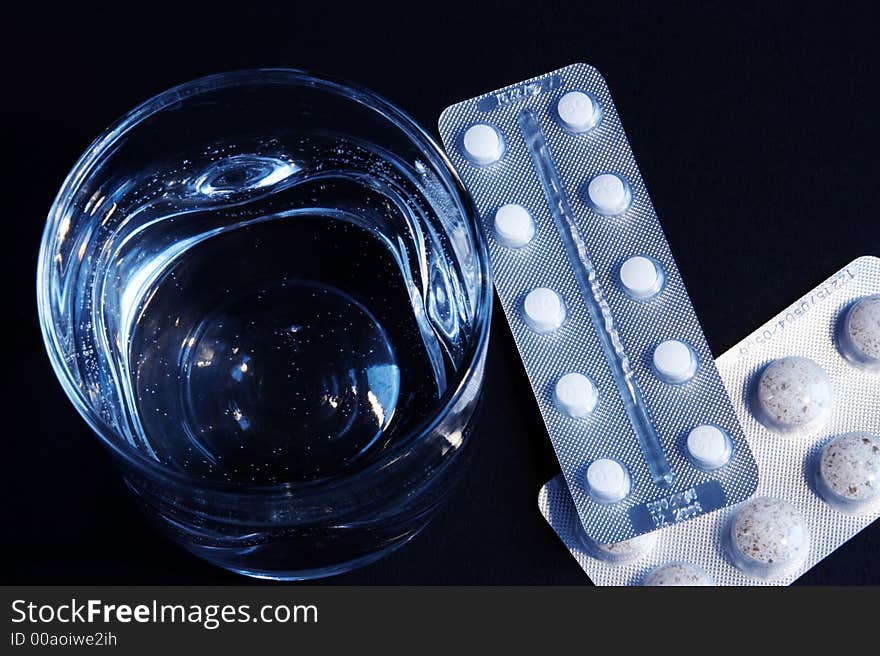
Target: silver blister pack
(611, 344)
(806, 388)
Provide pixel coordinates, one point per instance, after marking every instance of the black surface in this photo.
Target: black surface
(755, 128)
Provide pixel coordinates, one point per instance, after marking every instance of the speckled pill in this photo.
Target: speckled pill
(859, 334)
(848, 472)
(678, 574)
(767, 538)
(620, 552)
(793, 394)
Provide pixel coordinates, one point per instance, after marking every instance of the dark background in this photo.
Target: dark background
(755, 127)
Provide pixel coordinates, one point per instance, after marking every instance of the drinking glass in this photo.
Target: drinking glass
(267, 295)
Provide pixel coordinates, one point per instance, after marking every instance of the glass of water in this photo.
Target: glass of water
(267, 295)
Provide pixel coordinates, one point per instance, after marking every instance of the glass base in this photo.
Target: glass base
(301, 574)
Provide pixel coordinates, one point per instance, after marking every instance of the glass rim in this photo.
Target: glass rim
(111, 135)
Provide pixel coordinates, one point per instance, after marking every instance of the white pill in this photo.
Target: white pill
(577, 111)
(640, 277)
(794, 394)
(678, 575)
(514, 226)
(709, 447)
(860, 334)
(575, 395)
(607, 480)
(609, 194)
(674, 361)
(543, 310)
(849, 472)
(483, 143)
(768, 538)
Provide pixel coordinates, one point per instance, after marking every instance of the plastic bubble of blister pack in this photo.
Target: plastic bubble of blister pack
(810, 409)
(637, 414)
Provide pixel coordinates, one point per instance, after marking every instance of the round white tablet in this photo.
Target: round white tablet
(609, 194)
(575, 395)
(674, 361)
(768, 538)
(794, 394)
(860, 334)
(678, 575)
(641, 277)
(543, 310)
(514, 226)
(849, 472)
(608, 480)
(709, 447)
(483, 144)
(577, 111)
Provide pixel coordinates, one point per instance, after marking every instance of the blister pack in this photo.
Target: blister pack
(638, 416)
(806, 388)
